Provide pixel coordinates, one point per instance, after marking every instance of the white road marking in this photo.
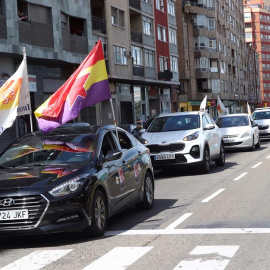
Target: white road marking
(191, 231)
(212, 257)
(178, 221)
(37, 259)
(213, 195)
(268, 156)
(118, 258)
(258, 164)
(240, 176)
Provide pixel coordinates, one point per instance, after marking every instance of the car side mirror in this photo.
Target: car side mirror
(209, 127)
(113, 155)
(142, 131)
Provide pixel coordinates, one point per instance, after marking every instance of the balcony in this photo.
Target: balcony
(3, 27)
(138, 71)
(36, 33)
(74, 43)
(136, 36)
(99, 24)
(135, 4)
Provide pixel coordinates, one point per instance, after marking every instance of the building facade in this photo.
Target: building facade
(214, 58)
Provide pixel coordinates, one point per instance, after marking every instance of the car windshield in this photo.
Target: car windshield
(58, 149)
(174, 123)
(261, 115)
(232, 121)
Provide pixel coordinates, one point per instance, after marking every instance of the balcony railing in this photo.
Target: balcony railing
(135, 4)
(99, 24)
(138, 71)
(36, 33)
(136, 36)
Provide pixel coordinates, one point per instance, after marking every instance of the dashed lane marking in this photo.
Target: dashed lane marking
(178, 221)
(257, 165)
(240, 176)
(213, 195)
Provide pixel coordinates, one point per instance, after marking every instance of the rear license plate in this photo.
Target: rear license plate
(165, 156)
(14, 214)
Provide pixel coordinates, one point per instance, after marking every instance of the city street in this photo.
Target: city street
(219, 220)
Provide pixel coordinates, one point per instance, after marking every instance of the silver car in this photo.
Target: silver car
(239, 131)
(184, 138)
(261, 116)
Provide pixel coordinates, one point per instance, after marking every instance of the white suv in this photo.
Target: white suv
(261, 117)
(184, 138)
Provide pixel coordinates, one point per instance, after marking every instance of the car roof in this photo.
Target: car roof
(266, 109)
(234, 114)
(180, 113)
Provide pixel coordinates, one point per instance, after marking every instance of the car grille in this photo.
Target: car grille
(156, 148)
(36, 206)
(263, 127)
(232, 143)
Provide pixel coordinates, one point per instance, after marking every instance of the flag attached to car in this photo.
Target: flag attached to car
(14, 97)
(221, 109)
(87, 86)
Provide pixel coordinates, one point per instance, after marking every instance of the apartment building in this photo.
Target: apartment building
(59, 34)
(141, 56)
(214, 55)
(257, 31)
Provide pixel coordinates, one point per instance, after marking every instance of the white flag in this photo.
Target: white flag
(220, 107)
(203, 104)
(248, 109)
(10, 96)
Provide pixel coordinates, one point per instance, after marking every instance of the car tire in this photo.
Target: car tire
(258, 145)
(205, 168)
(99, 215)
(252, 148)
(148, 194)
(221, 160)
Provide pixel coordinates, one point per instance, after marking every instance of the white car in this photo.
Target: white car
(239, 131)
(261, 116)
(184, 138)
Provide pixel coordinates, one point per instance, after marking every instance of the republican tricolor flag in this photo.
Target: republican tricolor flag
(14, 96)
(87, 86)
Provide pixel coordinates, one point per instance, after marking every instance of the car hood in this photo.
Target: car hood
(234, 130)
(262, 122)
(37, 176)
(168, 136)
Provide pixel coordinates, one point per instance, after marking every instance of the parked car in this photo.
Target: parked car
(72, 179)
(184, 138)
(132, 129)
(261, 116)
(239, 131)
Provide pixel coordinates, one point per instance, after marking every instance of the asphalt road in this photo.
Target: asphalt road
(216, 221)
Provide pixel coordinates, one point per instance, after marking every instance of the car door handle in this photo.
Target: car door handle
(124, 162)
(139, 153)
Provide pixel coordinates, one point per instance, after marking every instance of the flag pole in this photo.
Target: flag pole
(114, 121)
(24, 57)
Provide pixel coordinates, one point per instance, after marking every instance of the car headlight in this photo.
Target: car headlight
(144, 141)
(246, 134)
(192, 137)
(69, 186)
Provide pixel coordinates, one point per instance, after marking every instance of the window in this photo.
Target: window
(211, 24)
(147, 26)
(172, 36)
(118, 17)
(149, 59)
(174, 64)
(136, 55)
(212, 45)
(160, 5)
(163, 63)
(215, 86)
(171, 8)
(119, 55)
(161, 31)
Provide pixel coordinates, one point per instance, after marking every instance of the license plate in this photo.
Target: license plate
(263, 131)
(14, 214)
(165, 156)
(230, 140)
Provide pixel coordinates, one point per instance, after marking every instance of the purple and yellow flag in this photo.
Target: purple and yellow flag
(87, 86)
